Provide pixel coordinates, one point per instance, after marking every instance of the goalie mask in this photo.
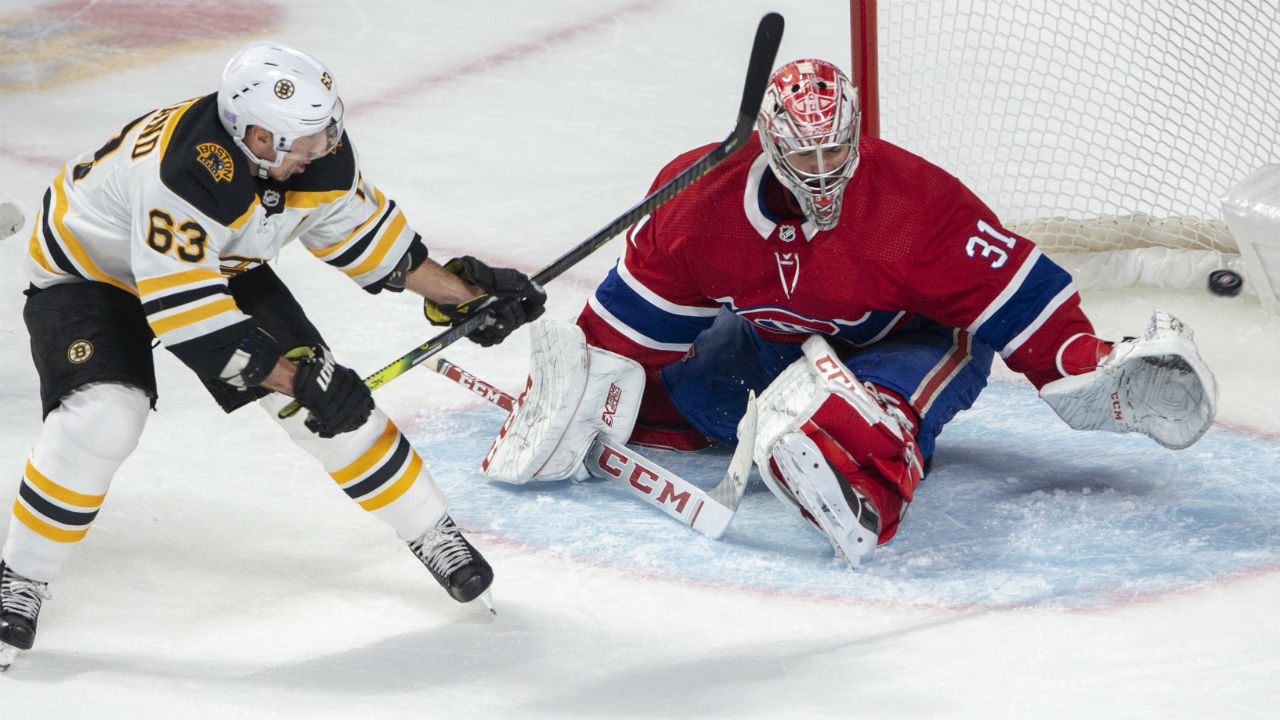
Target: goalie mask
(808, 126)
(285, 92)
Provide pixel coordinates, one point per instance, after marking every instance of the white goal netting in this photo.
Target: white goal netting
(1107, 132)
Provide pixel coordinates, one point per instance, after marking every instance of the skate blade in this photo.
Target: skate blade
(7, 654)
(486, 599)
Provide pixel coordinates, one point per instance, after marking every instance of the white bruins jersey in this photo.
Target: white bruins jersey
(169, 209)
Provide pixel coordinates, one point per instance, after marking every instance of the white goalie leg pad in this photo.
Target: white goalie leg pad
(82, 444)
(1156, 385)
(575, 392)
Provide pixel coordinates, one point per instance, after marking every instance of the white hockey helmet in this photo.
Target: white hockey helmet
(809, 123)
(284, 91)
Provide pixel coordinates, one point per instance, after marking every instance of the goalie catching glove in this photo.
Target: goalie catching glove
(518, 300)
(338, 400)
(1156, 385)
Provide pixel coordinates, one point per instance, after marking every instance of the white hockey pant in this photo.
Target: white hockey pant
(81, 445)
(375, 466)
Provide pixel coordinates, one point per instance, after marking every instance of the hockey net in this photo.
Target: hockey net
(1107, 132)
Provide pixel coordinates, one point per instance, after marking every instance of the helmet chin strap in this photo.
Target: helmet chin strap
(263, 166)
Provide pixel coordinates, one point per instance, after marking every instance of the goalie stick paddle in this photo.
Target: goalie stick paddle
(763, 52)
(707, 511)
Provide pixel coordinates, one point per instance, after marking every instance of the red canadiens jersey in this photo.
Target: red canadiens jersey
(911, 240)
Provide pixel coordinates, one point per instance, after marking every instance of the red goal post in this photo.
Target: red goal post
(1108, 132)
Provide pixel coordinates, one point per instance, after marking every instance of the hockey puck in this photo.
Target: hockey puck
(1226, 283)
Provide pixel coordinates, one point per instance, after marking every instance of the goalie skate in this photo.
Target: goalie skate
(845, 516)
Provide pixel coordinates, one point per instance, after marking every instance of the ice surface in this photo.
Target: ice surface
(1040, 574)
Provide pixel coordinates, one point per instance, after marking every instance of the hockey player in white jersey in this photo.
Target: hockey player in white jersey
(165, 232)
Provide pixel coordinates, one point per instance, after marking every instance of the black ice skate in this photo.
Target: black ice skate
(20, 601)
(454, 563)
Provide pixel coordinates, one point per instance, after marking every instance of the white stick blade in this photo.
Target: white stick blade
(731, 489)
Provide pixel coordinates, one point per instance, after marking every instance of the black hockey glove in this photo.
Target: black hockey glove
(338, 400)
(520, 300)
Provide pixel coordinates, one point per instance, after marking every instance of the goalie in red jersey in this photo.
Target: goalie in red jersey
(861, 292)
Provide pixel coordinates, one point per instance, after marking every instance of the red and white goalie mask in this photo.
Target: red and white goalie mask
(808, 126)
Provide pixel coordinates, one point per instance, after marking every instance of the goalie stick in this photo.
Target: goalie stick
(707, 511)
(763, 51)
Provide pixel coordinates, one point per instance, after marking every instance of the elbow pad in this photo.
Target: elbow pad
(395, 281)
(412, 259)
(251, 360)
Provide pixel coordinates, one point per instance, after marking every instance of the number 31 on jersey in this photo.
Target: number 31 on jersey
(980, 246)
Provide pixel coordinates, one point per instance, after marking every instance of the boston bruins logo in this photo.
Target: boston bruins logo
(284, 89)
(216, 160)
(327, 81)
(79, 352)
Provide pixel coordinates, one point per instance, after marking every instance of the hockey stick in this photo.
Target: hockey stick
(11, 219)
(707, 511)
(763, 52)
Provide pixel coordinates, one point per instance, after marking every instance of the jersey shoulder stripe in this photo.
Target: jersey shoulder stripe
(658, 324)
(202, 165)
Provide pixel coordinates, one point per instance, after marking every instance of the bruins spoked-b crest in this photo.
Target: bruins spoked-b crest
(79, 352)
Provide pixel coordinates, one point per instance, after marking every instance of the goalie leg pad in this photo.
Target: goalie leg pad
(872, 424)
(853, 507)
(1156, 385)
(841, 454)
(575, 393)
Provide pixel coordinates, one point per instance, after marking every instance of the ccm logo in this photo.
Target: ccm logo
(643, 479)
(831, 369)
(1116, 408)
(611, 404)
